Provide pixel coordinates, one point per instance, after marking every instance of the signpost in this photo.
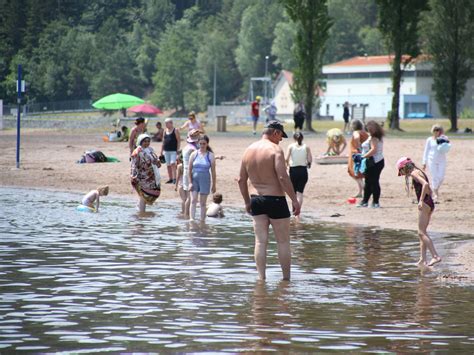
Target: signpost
(20, 87)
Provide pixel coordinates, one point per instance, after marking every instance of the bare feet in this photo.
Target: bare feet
(421, 262)
(435, 260)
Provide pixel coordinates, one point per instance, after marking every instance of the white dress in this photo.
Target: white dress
(435, 161)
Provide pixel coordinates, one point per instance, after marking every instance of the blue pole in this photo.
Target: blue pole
(18, 119)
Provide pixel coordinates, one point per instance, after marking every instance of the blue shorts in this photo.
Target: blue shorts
(202, 182)
(254, 118)
(170, 157)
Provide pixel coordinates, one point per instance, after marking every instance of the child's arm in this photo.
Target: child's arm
(179, 176)
(425, 190)
(221, 211)
(97, 203)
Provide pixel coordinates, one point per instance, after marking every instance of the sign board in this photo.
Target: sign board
(23, 85)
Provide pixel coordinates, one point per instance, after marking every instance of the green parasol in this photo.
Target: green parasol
(117, 101)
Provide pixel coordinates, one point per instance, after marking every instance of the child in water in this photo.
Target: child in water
(94, 196)
(215, 209)
(426, 206)
(179, 183)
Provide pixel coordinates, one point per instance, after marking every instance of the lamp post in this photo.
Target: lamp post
(266, 73)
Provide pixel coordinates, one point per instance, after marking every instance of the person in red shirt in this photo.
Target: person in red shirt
(255, 113)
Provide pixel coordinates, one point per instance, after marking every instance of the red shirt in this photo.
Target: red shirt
(255, 108)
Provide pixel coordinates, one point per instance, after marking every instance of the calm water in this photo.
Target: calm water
(115, 282)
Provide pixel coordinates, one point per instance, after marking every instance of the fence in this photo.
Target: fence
(50, 107)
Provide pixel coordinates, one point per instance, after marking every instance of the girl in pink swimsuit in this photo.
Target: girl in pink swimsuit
(423, 192)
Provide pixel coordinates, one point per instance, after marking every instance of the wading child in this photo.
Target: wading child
(215, 209)
(179, 184)
(426, 206)
(94, 196)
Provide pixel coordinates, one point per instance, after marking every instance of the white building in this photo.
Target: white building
(366, 81)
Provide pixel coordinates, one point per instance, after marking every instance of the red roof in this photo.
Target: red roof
(369, 60)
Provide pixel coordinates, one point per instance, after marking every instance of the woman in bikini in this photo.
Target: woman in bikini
(426, 206)
(192, 123)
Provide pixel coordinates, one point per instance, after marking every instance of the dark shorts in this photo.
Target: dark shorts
(275, 207)
(299, 177)
(255, 118)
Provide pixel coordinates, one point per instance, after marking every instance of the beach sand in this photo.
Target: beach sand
(48, 160)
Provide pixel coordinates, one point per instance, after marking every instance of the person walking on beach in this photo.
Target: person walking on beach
(255, 112)
(345, 116)
(372, 152)
(359, 136)
(299, 115)
(434, 158)
(135, 132)
(169, 148)
(263, 163)
(192, 123)
(299, 158)
(145, 174)
(202, 172)
(426, 206)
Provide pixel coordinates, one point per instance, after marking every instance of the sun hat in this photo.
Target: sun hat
(169, 119)
(401, 163)
(276, 125)
(141, 137)
(258, 98)
(193, 136)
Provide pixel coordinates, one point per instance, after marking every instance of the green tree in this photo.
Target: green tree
(398, 22)
(313, 23)
(449, 32)
(174, 64)
(284, 45)
(256, 36)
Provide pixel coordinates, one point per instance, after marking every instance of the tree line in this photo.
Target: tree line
(169, 51)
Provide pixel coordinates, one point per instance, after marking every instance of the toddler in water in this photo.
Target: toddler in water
(215, 209)
(94, 196)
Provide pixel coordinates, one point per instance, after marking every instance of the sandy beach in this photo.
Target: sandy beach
(48, 160)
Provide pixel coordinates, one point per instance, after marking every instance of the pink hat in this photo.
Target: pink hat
(401, 163)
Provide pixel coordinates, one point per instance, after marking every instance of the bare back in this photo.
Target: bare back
(262, 161)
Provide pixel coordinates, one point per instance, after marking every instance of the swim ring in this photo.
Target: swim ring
(82, 208)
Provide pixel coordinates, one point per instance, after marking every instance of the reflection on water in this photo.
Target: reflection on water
(115, 281)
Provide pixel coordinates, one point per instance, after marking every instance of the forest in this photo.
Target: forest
(166, 51)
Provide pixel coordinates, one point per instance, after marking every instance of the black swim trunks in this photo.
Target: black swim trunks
(275, 207)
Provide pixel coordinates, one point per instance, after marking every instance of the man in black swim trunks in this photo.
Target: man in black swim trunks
(264, 165)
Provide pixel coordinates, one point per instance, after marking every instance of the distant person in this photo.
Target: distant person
(299, 158)
(359, 136)
(93, 197)
(255, 113)
(215, 208)
(139, 128)
(124, 134)
(299, 115)
(202, 176)
(158, 136)
(346, 115)
(271, 111)
(263, 163)
(372, 152)
(145, 174)
(192, 123)
(336, 142)
(191, 146)
(169, 148)
(426, 206)
(434, 158)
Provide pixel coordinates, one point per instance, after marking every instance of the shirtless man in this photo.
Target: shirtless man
(263, 164)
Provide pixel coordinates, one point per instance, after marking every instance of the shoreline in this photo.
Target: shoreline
(48, 161)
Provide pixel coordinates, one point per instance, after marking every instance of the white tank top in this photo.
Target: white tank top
(298, 155)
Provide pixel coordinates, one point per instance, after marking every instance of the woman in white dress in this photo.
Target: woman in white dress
(434, 159)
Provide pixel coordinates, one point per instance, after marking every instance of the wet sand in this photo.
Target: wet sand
(48, 160)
